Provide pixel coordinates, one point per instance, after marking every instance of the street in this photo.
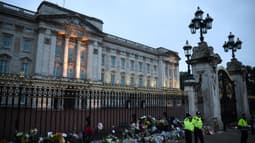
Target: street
(230, 136)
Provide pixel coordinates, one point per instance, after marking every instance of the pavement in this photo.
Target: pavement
(229, 136)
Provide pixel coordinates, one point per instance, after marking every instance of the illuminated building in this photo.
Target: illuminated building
(58, 43)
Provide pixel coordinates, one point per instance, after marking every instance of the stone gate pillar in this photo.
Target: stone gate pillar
(204, 67)
(238, 75)
(190, 87)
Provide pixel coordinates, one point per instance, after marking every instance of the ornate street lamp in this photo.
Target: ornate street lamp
(187, 51)
(232, 45)
(199, 23)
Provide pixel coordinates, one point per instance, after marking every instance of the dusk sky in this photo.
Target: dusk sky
(164, 23)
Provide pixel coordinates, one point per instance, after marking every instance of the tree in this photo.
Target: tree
(250, 81)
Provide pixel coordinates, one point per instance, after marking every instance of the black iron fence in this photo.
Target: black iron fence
(65, 106)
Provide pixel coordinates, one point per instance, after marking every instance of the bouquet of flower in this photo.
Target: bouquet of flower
(27, 137)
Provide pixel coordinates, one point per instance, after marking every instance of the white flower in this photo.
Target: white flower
(100, 126)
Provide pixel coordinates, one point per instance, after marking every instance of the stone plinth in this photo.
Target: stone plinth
(190, 87)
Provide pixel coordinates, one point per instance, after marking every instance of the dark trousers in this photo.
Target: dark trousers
(252, 129)
(188, 136)
(198, 133)
(244, 136)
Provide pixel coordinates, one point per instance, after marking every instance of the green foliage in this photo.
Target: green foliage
(183, 77)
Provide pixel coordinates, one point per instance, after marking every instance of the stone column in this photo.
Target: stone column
(238, 75)
(91, 60)
(190, 88)
(78, 60)
(161, 70)
(39, 51)
(99, 64)
(52, 53)
(176, 76)
(65, 65)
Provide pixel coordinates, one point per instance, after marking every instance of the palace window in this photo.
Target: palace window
(140, 81)
(175, 72)
(140, 67)
(95, 51)
(27, 44)
(170, 72)
(103, 59)
(155, 69)
(122, 80)
(82, 75)
(57, 71)
(47, 41)
(70, 73)
(155, 82)
(7, 41)
(24, 68)
(132, 65)
(102, 76)
(82, 55)
(122, 63)
(70, 53)
(166, 71)
(148, 83)
(112, 78)
(132, 81)
(113, 61)
(57, 51)
(148, 68)
(4, 66)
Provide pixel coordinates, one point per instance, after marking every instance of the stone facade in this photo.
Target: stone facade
(55, 42)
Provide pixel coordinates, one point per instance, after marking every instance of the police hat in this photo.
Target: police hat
(187, 114)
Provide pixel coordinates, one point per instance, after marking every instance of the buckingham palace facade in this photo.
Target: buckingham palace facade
(55, 42)
(58, 69)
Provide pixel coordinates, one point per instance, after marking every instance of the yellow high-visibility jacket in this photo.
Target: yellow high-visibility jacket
(197, 122)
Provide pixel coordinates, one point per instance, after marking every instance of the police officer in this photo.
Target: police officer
(252, 124)
(198, 125)
(243, 126)
(188, 128)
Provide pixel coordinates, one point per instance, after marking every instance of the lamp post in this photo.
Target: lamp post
(232, 45)
(187, 51)
(199, 23)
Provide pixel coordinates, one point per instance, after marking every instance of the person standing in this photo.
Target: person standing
(243, 126)
(198, 125)
(188, 128)
(252, 124)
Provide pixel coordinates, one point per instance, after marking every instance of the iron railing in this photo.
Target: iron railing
(65, 106)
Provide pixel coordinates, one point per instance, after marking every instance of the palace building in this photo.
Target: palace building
(60, 72)
(58, 43)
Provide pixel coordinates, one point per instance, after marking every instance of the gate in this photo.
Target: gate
(227, 97)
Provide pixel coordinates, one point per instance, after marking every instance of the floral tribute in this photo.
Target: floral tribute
(148, 130)
(145, 129)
